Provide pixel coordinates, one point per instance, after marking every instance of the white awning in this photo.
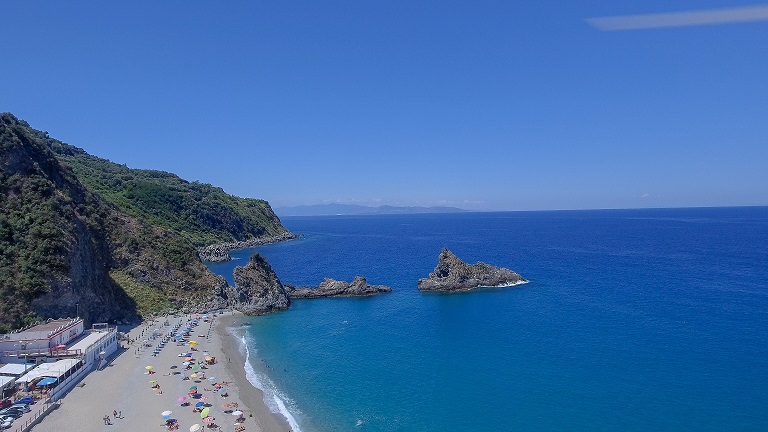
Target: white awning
(53, 370)
(16, 369)
(6, 381)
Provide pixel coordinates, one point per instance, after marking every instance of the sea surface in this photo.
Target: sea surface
(633, 320)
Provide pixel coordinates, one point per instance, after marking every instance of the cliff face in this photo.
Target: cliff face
(79, 234)
(359, 287)
(452, 274)
(55, 253)
(257, 289)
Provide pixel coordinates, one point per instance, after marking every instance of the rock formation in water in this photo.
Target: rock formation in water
(359, 287)
(257, 289)
(452, 275)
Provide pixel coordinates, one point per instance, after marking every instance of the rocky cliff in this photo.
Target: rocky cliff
(80, 234)
(359, 287)
(257, 289)
(452, 275)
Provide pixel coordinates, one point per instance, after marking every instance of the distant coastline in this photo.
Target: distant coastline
(352, 209)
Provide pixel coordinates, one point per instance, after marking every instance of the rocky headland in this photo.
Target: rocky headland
(220, 252)
(454, 275)
(257, 289)
(359, 287)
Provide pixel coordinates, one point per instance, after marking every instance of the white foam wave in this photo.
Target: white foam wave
(272, 398)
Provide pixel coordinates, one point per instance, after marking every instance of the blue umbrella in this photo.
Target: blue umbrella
(199, 404)
(46, 381)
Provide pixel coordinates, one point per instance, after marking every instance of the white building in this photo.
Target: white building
(40, 342)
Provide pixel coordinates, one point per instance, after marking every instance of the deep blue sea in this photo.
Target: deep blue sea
(634, 320)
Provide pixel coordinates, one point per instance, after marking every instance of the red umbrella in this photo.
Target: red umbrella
(208, 420)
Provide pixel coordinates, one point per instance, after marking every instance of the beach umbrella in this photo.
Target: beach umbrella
(181, 399)
(193, 375)
(195, 428)
(199, 404)
(195, 367)
(165, 413)
(237, 413)
(192, 392)
(204, 398)
(204, 413)
(148, 367)
(208, 420)
(152, 381)
(211, 379)
(193, 388)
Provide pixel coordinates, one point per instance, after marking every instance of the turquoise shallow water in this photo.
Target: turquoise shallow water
(633, 320)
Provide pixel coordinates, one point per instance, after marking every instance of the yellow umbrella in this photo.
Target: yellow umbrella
(148, 368)
(193, 376)
(193, 342)
(152, 381)
(204, 413)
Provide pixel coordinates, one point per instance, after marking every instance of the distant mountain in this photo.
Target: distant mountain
(351, 209)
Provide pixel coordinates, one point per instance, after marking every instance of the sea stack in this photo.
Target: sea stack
(454, 275)
(257, 290)
(359, 287)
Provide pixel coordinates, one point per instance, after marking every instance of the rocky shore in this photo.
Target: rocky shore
(454, 275)
(220, 252)
(359, 287)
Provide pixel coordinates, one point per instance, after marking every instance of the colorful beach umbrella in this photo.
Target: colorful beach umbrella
(199, 404)
(237, 413)
(208, 420)
(194, 375)
(204, 413)
(165, 413)
(181, 399)
(195, 428)
(193, 388)
(148, 367)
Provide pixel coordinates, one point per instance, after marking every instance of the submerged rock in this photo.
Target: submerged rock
(359, 287)
(453, 274)
(257, 289)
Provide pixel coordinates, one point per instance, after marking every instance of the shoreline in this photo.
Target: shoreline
(134, 399)
(219, 252)
(250, 395)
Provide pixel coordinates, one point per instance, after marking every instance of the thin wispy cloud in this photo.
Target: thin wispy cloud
(681, 19)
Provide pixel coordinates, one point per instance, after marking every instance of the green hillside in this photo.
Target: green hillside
(199, 212)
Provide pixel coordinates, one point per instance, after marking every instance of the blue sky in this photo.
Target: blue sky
(481, 105)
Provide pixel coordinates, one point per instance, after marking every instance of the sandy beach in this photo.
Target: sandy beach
(125, 386)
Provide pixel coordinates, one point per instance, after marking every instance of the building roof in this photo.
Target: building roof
(53, 370)
(48, 326)
(91, 338)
